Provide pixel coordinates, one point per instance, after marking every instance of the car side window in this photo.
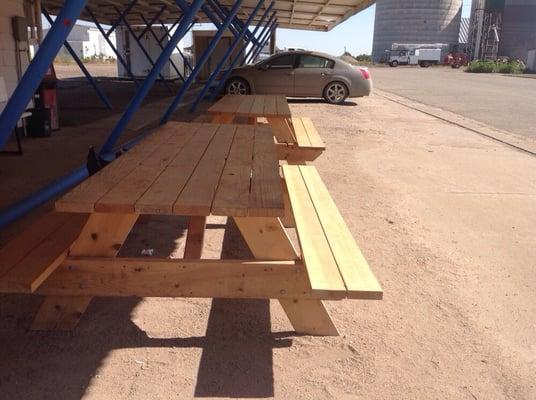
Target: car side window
(282, 62)
(309, 61)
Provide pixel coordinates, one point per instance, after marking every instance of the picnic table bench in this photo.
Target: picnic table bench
(298, 140)
(194, 170)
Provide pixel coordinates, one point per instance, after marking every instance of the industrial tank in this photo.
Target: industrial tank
(518, 34)
(415, 21)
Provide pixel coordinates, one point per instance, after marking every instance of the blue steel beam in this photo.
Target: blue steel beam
(149, 24)
(35, 72)
(227, 54)
(168, 34)
(237, 25)
(119, 57)
(162, 47)
(144, 51)
(227, 73)
(201, 62)
(264, 41)
(119, 19)
(149, 81)
(81, 65)
(253, 47)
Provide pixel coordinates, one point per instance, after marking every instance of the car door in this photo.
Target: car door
(312, 75)
(276, 75)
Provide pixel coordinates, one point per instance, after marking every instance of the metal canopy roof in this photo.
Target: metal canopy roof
(317, 15)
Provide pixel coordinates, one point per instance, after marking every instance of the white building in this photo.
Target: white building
(87, 42)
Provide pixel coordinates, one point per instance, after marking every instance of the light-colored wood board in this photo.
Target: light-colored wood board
(19, 247)
(314, 137)
(83, 197)
(198, 193)
(257, 108)
(227, 104)
(283, 110)
(233, 192)
(41, 261)
(266, 195)
(148, 277)
(357, 275)
(165, 190)
(123, 197)
(244, 109)
(266, 238)
(60, 313)
(295, 154)
(302, 138)
(281, 130)
(321, 266)
(309, 317)
(195, 237)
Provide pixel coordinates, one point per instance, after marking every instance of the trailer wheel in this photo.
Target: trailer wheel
(394, 63)
(424, 64)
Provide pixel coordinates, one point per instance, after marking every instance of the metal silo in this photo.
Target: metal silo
(518, 28)
(415, 21)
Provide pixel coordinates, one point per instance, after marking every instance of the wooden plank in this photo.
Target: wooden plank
(266, 238)
(283, 110)
(270, 106)
(84, 196)
(222, 118)
(266, 196)
(257, 109)
(295, 154)
(195, 237)
(165, 190)
(244, 109)
(41, 261)
(233, 192)
(148, 277)
(281, 130)
(60, 313)
(314, 137)
(227, 104)
(197, 196)
(19, 247)
(302, 138)
(123, 196)
(357, 275)
(309, 317)
(321, 266)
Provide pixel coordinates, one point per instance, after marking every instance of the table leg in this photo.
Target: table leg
(195, 237)
(288, 219)
(268, 240)
(103, 235)
(282, 129)
(223, 118)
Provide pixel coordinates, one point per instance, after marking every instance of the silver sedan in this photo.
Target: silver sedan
(302, 74)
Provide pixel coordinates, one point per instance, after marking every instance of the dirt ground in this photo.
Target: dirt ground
(446, 220)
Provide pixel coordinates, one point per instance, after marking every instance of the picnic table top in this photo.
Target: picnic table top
(252, 106)
(191, 169)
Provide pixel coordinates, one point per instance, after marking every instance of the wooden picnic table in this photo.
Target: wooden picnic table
(194, 170)
(297, 139)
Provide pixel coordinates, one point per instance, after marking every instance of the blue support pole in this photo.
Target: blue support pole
(162, 48)
(119, 19)
(168, 34)
(264, 41)
(227, 73)
(140, 45)
(81, 65)
(38, 67)
(202, 60)
(135, 103)
(227, 54)
(237, 25)
(254, 48)
(148, 25)
(119, 57)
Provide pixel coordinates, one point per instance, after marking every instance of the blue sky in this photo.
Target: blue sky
(355, 34)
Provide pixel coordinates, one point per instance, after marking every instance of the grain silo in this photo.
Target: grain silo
(416, 22)
(518, 34)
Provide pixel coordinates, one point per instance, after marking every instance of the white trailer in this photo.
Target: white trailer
(423, 57)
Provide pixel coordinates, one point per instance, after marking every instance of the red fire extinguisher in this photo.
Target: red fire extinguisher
(48, 93)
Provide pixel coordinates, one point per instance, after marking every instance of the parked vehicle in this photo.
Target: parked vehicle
(302, 74)
(422, 57)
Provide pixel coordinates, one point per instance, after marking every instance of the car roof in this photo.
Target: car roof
(313, 53)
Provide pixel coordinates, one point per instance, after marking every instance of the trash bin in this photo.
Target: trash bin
(39, 124)
(48, 97)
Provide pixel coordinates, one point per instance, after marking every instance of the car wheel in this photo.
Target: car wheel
(394, 64)
(336, 93)
(237, 86)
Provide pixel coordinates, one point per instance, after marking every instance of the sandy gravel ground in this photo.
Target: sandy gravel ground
(446, 219)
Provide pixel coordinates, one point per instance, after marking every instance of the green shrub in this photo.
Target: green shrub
(511, 67)
(481, 67)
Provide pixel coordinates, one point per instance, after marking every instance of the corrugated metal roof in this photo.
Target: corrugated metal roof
(319, 15)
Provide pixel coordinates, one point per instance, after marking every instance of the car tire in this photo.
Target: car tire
(336, 93)
(393, 64)
(237, 86)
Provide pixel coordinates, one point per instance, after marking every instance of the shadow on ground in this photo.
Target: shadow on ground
(236, 359)
(319, 101)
